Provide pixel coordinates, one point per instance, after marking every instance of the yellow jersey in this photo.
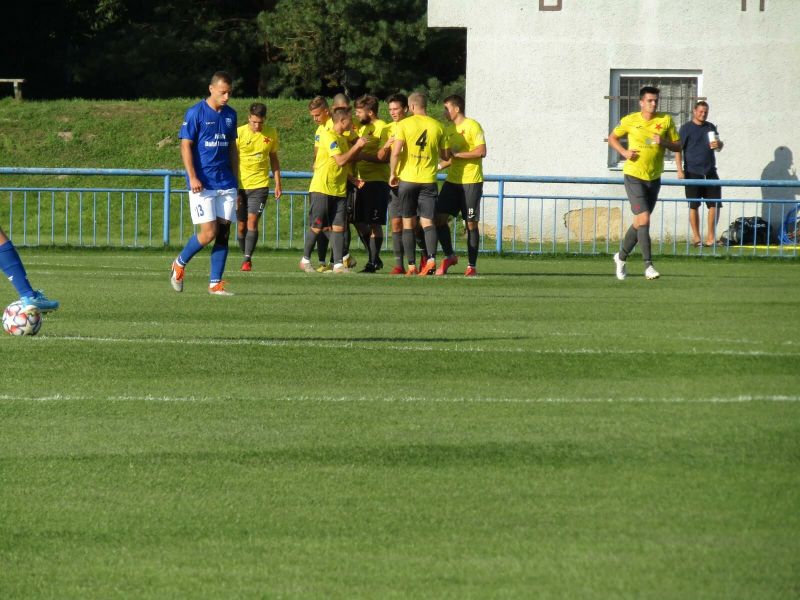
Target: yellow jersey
(464, 138)
(329, 178)
(392, 133)
(377, 133)
(254, 150)
(650, 163)
(424, 138)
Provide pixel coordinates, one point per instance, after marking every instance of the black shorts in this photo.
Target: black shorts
(350, 204)
(464, 198)
(251, 202)
(326, 211)
(418, 199)
(642, 194)
(371, 202)
(708, 193)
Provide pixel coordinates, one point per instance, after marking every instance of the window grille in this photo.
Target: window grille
(678, 93)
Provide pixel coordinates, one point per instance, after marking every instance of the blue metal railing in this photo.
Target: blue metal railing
(155, 217)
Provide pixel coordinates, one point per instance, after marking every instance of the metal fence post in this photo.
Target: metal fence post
(499, 241)
(166, 209)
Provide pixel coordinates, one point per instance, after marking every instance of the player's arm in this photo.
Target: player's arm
(477, 152)
(275, 165)
(394, 160)
(671, 140)
(352, 154)
(233, 154)
(385, 151)
(188, 163)
(674, 145)
(613, 141)
(679, 164)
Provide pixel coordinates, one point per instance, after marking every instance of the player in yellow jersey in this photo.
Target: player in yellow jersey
(343, 101)
(372, 175)
(649, 133)
(419, 145)
(328, 189)
(463, 189)
(258, 153)
(398, 109)
(320, 112)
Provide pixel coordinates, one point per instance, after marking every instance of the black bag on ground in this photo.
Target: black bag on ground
(747, 230)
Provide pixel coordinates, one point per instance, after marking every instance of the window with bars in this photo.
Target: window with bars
(679, 90)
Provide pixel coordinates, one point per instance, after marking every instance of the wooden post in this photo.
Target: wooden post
(17, 83)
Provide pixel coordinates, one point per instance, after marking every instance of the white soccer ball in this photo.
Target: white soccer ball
(19, 319)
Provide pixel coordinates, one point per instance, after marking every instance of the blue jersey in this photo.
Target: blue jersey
(212, 134)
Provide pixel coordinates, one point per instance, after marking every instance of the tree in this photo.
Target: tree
(320, 46)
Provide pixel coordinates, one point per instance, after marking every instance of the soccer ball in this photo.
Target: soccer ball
(19, 319)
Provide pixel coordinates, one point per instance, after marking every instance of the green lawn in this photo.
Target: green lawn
(541, 431)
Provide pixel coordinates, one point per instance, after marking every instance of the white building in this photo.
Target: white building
(548, 79)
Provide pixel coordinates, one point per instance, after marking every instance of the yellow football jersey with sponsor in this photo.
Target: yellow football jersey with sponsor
(329, 178)
(423, 137)
(650, 163)
(376, 133)
(392, 133)
(254, 150)
(464, 138)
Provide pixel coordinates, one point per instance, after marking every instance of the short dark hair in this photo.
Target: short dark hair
(456, 101)
(370, 103)
(402, 99)
(701, 103)
(341, 113)
(648, 89)
(317, 102)
(257, 109)
(223, 76)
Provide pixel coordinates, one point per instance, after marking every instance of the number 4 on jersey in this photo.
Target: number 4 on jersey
(422, 140)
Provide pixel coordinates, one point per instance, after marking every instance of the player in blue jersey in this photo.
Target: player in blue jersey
(211, 160)
(11, 265)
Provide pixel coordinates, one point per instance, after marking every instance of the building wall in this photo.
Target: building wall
(536, 80)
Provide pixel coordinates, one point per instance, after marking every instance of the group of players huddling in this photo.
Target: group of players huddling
(362, 169)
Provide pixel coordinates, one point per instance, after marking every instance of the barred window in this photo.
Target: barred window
(679, 89)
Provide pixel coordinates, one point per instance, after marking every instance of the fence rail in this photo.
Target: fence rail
(516, 216)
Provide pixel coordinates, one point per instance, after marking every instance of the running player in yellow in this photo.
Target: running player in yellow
(258, 152)
(398, 109)
(649, 133)
(372, 176)
(419, 146)
(328, 189)
(463, 189)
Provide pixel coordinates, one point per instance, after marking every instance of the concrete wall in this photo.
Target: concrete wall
(536, 80)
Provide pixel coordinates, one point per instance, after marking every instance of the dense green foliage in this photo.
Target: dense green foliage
(151, 49)
(541, 431)
(357, 44)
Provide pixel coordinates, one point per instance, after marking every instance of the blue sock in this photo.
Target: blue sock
(219, 254)
(12, 266)
(192, 247)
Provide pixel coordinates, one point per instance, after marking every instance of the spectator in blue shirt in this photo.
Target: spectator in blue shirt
(699, 162)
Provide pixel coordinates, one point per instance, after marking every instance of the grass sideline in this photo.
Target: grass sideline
(543, 430)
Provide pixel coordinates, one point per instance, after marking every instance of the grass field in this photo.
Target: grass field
(541, 431)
